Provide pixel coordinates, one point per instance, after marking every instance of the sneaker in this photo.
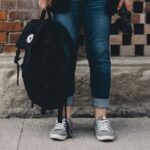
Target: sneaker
(59, 131)
(103, 130)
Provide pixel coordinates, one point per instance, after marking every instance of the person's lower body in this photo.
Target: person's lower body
(96, 23)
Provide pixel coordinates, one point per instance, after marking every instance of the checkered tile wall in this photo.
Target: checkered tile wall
(137, 44)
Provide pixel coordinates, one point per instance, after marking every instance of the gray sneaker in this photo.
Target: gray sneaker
(59, 131)
(103, 130)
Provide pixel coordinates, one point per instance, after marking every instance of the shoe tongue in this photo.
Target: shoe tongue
(101, 118)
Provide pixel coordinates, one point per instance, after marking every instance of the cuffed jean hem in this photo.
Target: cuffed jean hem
(70, 100)
(100, 103)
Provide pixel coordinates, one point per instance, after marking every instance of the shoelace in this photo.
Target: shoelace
(60, 125)
(103, 125)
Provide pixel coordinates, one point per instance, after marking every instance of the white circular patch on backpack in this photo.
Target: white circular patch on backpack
(30, 38)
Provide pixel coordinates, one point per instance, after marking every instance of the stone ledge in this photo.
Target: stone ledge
(130, 92)
(124, 61)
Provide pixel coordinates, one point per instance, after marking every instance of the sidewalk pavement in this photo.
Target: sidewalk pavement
(32, 134)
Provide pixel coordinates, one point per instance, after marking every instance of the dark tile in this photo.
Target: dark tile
(115, 50)
(139, 50)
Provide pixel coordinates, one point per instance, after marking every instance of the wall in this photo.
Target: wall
(15, 13)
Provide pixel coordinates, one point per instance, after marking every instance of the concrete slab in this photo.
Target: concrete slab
(130, 96)
(132, 133)
(10, 132)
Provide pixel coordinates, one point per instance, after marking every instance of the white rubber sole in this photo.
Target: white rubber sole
(57, 137)
(105, 138)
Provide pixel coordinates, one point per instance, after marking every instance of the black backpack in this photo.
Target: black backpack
(47, 62)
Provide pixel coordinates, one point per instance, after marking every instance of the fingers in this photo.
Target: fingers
(44, 3)
(120, 4)
(49, 2)
(129, 5)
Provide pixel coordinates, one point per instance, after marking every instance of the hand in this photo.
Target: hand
(128, 4)
(44, 3)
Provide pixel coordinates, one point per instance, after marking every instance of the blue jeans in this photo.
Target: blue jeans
(92, 14)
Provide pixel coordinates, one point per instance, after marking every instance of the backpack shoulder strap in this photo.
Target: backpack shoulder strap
(16, 61)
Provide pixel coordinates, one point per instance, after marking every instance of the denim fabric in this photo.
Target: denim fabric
(92, 14)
